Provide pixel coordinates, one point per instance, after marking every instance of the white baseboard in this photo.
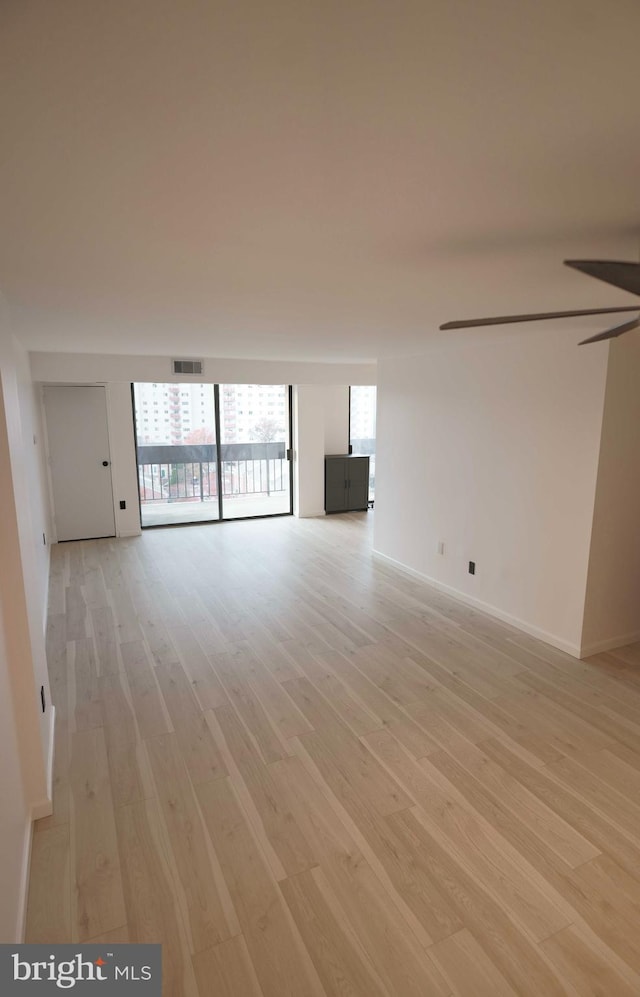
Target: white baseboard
(610, 644)
(21, 921)
(469, 600)
(50, 760)
(45, 615)
(44, 808)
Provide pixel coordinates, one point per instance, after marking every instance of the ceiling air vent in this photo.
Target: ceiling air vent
(187, 366)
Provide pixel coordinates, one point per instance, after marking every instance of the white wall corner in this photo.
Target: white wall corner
(612, 591)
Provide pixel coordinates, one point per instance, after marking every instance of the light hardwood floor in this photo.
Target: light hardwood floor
(306, 773)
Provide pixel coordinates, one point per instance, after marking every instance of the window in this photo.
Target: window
(362, 427)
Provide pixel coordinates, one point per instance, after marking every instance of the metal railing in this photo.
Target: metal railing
(188, 473)
(362, 446)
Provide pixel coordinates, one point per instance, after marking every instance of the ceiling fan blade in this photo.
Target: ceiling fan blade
(618, 330)
(623, 275)
(540, 316)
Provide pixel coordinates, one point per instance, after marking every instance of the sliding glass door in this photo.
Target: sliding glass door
(177, 453)
(208, 452)
(255, 424)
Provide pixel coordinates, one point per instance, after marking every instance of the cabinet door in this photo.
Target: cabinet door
(335, 489)
(358, 476)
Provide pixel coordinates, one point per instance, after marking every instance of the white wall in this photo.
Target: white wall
(321, 426)
(14, 810)
(124, 471)
(35, 473)
(25, 732)
(308, 450)
(336, 419)
(86, 367)
(612, 608)
(28, 572)
(490, 444)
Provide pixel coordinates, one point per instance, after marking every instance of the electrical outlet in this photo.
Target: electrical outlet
(440, 549)
(123, 504)
(472, 567)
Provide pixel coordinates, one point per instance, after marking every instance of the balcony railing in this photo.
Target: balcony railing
(188, 473)
(367, 446)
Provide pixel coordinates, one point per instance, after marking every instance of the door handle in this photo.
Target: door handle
(105, 463)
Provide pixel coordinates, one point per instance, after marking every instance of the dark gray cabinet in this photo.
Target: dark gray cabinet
(346, 482)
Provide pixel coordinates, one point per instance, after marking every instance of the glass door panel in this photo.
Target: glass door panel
(177, 453)
(255, 422)
(362, 427)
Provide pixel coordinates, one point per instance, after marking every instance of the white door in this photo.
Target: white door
(80, 461)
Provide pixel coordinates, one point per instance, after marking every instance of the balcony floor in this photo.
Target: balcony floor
(163, 513)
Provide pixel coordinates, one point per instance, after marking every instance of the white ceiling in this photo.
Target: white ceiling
(323, 180)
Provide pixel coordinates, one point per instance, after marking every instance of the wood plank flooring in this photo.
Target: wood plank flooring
(305, 773)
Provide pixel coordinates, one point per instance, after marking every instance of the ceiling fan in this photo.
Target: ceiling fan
(623, 275)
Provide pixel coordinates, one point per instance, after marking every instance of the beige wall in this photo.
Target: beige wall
(490, 444)
(612, 609)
